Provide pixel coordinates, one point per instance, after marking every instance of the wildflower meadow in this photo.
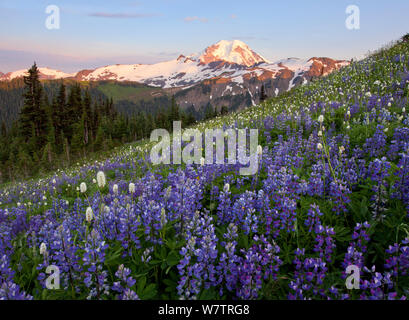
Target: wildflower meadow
(331, 191)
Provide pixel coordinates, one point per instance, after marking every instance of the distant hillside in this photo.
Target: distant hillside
(128, 97)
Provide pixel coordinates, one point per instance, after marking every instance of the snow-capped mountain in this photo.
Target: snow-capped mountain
(226, 59)
(229, 60)
(234, 51)
(45, 73)
(221, 71)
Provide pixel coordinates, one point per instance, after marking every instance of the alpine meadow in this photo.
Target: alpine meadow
(85, 212)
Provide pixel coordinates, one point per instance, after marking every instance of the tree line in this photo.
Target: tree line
(54, 132)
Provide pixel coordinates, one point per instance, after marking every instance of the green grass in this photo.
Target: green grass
(128, 92)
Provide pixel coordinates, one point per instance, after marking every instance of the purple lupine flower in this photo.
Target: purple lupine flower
(94, 257)
(124, 284)
(379, 171)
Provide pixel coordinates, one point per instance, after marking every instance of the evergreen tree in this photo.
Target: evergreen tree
(33, 118)
(208, 113)
(215, 114)
(60, 111)
(263, 95)
(224, 110)
(3, 129)
(174, 111)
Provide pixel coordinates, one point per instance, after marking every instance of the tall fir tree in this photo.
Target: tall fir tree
(263, 95)
(33, 117)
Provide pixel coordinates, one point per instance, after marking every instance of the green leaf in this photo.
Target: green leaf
(172, 259)
(141, 285)
(149, 292)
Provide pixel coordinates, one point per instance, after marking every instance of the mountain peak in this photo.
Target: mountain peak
(234, 51)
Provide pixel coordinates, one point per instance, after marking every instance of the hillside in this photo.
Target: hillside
(331, 191)
(129, 97)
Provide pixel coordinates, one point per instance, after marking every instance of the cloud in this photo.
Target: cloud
(120, 15)
(191, 19)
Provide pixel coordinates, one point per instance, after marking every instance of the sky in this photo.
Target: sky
(95, 33)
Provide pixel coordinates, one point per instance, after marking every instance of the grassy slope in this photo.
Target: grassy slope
(132, 93)
(347, 87)
(325, 90)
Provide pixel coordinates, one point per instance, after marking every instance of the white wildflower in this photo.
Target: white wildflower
(89, 214)
(101, 179)
(115, 188)
(226, 187)
(259, 150)
(319, 146)
(132, 188)
(83, 187)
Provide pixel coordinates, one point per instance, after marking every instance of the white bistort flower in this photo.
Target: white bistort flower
(319, 146)
(132, 188)
(89, 214)
(83, 187)
(259, 150)
(321, 119)
(101, 179)
(226, 187)
(115, 188)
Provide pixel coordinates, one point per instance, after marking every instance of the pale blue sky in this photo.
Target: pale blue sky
(95, 33)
